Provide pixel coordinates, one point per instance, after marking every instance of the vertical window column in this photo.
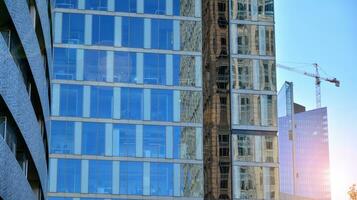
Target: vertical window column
(140, 6)
(198, 71)
(177, 180)
(81, 4)
(147, 104)
(169, 7)
(264, 110)
(254, 7)
(176, 36)
(110, 66)
(262, 41)
(84, 176)
(88, 30)
(199, 146)
(117, 103)
(86, 101)
(139, 68)
(236, 182)
(147, 35)
(256, 75)
(146, 178)
(55, 99)
(198, 8)
(118, 31)
(177, 106)
(77, 138)
(116, 177)
(108, 139)
(234, 38)
(79, 64)
(111, 6)
(235, 111)
(139, 140)
(169, 142)
(58, 27)
(169, 70)
(53, 175)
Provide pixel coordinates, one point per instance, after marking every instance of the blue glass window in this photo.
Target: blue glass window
(62, 137)
(155, 69)
(176, 70)
(161, 34)
(95, 63)
(64, 63)
(125, 67)
(100, 176)
(101, 102)
(125, 6)
(161, 179)
(176, 7)
(127, 139)
(184, 143)
(72, 28)
(66, 4)
(132, 103)
(161, 105)
(132, 32)
(68, 175)
(103, 30)
(96, 4)
(157, 7)
(71, 98)
(93, 138)
(155, 141)
(131, 178)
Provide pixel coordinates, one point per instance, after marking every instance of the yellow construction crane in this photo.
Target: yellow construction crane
(317, 77)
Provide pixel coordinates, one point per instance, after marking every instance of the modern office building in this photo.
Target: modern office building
(311, 152)
(127, 100)
(25, 59)
(163, 99)
(240, 113)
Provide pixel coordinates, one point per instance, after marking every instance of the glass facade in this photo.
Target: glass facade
(127, 100)
(253, 100)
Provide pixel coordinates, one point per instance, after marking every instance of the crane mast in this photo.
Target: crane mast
(317, 77)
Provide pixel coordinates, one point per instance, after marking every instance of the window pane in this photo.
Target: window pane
(157, 7)
(71, 98)
(241, 9)
(64, 63)
(184, 70)
(191, 106)
(100, 176)
(125, 6)
(177, 7)
(161, 105)
(96, 4)
(190, 35)
(161, 34)
(95, 63)
(69, 175)
(161, 179)
(155, 141)
(66, 4)
(184, 143)
(73, 28)
(125, 67)
(266, 10)
(93, 139)
(155, 69)
(101, 102)
(191, 180)
(62, 137)
(132, 32)
(248, 39)
(131, 178)
(132, 103)
(103, 30)
(127, 139)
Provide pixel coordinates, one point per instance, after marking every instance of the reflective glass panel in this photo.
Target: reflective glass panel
(161, 179)
(184, 143)
(132, 32)
(101, 102)
(157, 7)
(190, 35)
(96, 4)
(241, 9)
(103, 30)
(192, 180)
(266, 10)
(125, 6)
(131, 178)
(161, 105)
(64, 63)
(154, 68)
(132, 103)
(127, 139)
(72, 28)
(71, 99)
(95, 63)
(68, 175)
(62, 137)
(184, 70)
(100, 176)
(93, 138)
(161, 34)
(66, 4)
(191, 106)
(155, 141)
(125, 67)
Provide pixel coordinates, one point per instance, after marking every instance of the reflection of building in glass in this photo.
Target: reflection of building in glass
(311, 150)
(25, 62)
(127, 100)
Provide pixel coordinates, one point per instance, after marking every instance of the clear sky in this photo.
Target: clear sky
(324, 31)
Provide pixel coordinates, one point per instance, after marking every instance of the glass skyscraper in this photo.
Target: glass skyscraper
(127, 100)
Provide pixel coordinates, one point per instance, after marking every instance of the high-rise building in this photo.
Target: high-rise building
(308, 157)
(25, 59)
(164, 99)
(127, 100)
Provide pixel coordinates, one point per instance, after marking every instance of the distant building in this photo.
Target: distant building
(25, 59)
(311, 152)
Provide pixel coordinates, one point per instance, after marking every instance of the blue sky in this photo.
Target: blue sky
(324, 31)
